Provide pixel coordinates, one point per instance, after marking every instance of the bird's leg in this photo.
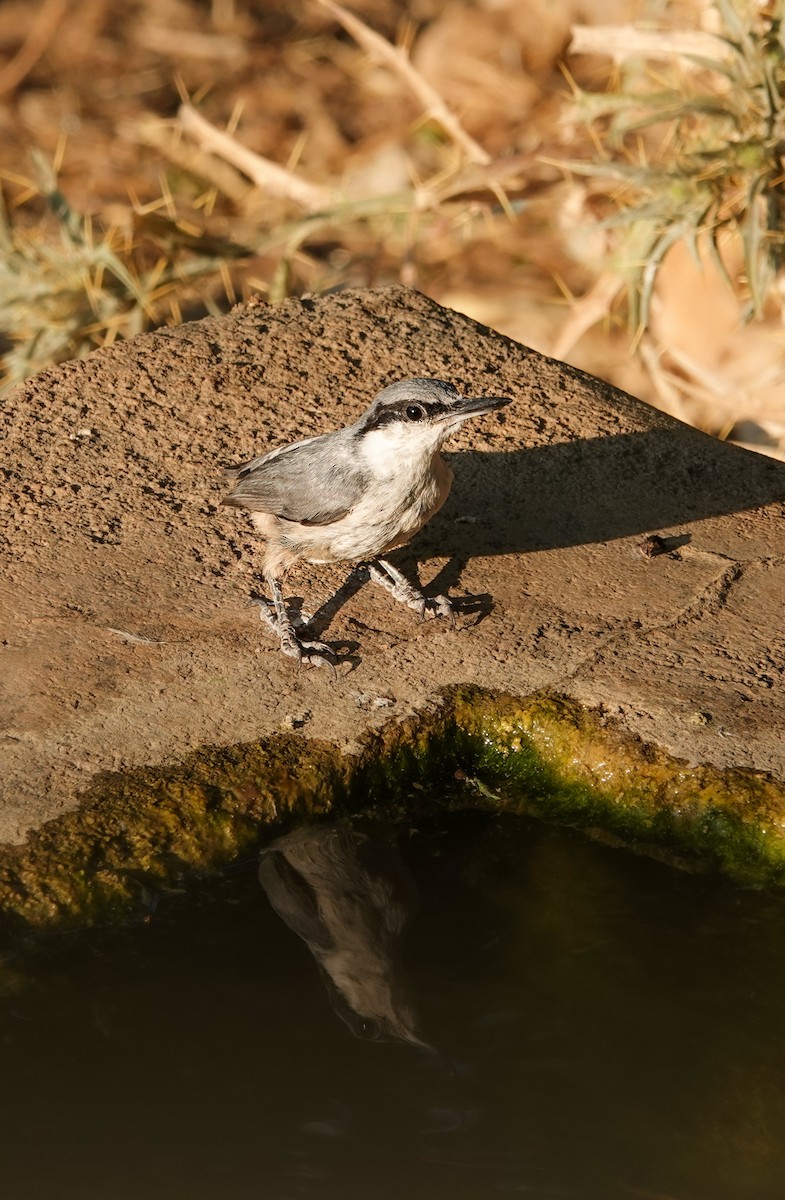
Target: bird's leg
(389, 577)
(318, 653)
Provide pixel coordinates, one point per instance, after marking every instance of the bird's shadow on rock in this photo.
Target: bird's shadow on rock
(588, 490)
(593, 490)
(319, 623)
(477, 606)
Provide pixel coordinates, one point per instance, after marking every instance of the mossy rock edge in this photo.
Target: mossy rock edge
(144, 831)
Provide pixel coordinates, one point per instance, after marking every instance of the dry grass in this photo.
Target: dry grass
(690, 161)
(203, 153)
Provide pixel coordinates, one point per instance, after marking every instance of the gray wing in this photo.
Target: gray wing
(314, 482)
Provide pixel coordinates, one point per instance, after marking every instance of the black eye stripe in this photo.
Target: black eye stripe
(397, 412)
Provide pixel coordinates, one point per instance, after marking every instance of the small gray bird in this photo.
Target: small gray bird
(355, 495)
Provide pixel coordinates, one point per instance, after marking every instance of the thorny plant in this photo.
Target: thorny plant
(61, 297)
(717, 166)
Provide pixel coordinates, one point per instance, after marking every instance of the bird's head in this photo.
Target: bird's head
(415, 416)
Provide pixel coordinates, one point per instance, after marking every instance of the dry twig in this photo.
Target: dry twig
(152, 131)
(591, 308)
(621, 42)
(267, 176)
(41, 33)
(397, 58)
(188, 43)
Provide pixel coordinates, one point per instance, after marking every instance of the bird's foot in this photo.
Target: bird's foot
(390, 578)
(310, 653)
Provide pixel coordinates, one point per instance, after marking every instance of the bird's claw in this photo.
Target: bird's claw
(266, 611)
(437, 606)
(315, 654)
(318, 654)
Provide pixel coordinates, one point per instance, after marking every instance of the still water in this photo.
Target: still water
(552, 1018)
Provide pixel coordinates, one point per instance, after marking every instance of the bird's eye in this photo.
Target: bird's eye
(414, 412)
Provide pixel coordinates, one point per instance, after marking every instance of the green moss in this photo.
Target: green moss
(144, 831)
(553, 758)
(148, 830)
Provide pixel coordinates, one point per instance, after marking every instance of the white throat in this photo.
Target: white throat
(394, 448)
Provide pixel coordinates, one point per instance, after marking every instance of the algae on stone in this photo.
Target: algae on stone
(145, 831)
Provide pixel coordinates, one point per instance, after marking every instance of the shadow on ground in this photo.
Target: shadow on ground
(595, 490)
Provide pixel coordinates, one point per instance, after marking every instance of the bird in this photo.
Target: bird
(355, 495)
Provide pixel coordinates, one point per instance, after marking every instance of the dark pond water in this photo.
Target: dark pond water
(592, 1025)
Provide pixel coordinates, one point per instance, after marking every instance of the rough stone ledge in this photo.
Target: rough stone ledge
(128, 639)
(143, 832)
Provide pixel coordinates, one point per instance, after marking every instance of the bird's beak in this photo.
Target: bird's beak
(473, 407)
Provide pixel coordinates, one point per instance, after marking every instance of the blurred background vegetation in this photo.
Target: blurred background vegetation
(602, 180)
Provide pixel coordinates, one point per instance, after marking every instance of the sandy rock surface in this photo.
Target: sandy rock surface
(127, 635)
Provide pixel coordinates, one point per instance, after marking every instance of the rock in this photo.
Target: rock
(128, 638)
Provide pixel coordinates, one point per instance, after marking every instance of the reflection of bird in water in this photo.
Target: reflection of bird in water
(349, 897)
